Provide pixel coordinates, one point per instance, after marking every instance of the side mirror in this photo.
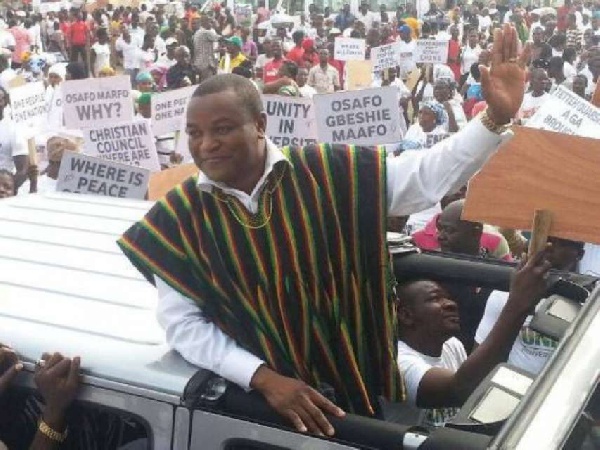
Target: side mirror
(493, 401)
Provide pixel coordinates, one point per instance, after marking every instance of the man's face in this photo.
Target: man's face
(457, 236)
(579, 86)
(431, 310)
(473, 38)
(588, 35)
(441, 92)
(276, 50)
(196, 22)
(539, 81)
(427, 119)
(302, 77)
(323, 56)
(538, 35)
(223, 140)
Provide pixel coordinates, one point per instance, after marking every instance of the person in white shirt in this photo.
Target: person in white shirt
(6, 73)
(137, 32)
(536, 97)
(130, 53)
(438, 375)
(406, 49)
(13, 149)
(469, 55)
(100, 52)
(428, 129)
(530, 350)
(366, 16)
(56, 75)
(303, 87)
(239, 168)
(485, 22)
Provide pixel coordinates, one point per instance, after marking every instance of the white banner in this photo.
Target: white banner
(385, 56)
(83, 174)
(347, 49)
(366, 117)
(566, 112)
(97, 101)
(290, 120)
(169, 108)
(28, 104)
(431, 51)
(127, 143)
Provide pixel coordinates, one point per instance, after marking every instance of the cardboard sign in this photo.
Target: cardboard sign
(385, 56)
(290, 120)
(431, 51)
(367, 117)
(169, 108)
(127, 143)
(349, 49)
(97, 101)
(93, 176)
(536, 170)
(162, 182)
(28, 104)
(359, 75)
(566, 112)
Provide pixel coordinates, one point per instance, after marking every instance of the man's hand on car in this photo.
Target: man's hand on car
(528, 284)
(296, 401)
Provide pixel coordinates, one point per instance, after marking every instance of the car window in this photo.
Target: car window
(586, 433)
(91, 427)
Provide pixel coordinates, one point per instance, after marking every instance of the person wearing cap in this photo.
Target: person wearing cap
(234, 56)
(169, 59)
(406, 48)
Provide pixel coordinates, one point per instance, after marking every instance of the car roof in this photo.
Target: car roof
(65, 286)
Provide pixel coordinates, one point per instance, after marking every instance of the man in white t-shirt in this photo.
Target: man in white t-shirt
(530, 350)
(437, 373)
(536, 97)
(13, 150)
(130, 53)
(365, 16)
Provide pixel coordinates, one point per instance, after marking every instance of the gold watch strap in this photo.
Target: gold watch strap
(491, 125)
(51, 433)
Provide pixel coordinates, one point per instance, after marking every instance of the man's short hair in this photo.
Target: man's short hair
(242, 87)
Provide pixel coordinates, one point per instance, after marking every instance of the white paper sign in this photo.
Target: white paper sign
(566, 112)
(97, 101)
(169, 108)
(83, 174)
(290, 121)
(347, 49)
(385, 56)
(366, 117)
(129, 143)
(431, 51)
(28, 104)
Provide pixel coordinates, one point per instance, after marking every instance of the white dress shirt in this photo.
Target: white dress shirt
(415, 181)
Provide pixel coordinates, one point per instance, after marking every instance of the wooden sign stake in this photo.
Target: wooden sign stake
(542, 221)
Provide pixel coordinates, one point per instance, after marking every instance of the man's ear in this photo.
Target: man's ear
(261, 125)
(405, 316)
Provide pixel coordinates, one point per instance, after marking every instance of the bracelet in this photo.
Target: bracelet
(491, 125)
(52, 434)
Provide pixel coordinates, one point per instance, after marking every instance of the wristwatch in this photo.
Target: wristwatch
(51, 433)
(491, 125)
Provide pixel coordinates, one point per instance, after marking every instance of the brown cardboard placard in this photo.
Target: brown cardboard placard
(163, 182)
(535, 170)
(360, 74)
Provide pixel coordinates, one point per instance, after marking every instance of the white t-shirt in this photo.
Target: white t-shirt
(12, 144)
(485, 23)
(468, 57)
(530, 105)
(530, 351)
(102, 56)
(367, 19)
(307, 91)
(131, 59)
(414, 365)
(426, 139)
(262, 60)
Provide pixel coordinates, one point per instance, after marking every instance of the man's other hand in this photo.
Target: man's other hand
(9, 367)
(528, 285)
(302, 405)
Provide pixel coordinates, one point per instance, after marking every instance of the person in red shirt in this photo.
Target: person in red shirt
(271, 71)
(79, 37)
(311, 56)
(339, 65)
(297, 53)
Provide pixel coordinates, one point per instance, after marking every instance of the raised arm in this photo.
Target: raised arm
(418, 180)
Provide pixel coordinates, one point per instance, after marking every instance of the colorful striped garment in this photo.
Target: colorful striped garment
(303, 284)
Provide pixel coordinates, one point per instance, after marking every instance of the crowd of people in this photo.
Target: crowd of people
(455, 115)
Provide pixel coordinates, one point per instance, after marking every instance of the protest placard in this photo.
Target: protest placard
(367, 117)
(290, 120)
(566, 112)
(431, 51)
(83, 174)
(28, 104)
(349, 49)
(97, 101)
(129, 143)
(385, 56)
(359, 75)
(169, 108)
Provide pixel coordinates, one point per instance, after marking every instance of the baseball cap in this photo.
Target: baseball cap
(235, 40)
(171, 41)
